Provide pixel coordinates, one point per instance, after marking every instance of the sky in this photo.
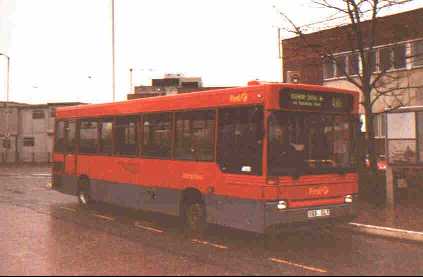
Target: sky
(61, 50)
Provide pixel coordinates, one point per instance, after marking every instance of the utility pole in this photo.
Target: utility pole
(280, 55)
(131, 81)
(113, 52)
(6, 142)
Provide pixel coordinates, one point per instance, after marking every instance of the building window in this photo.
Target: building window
(353, 64)
(418, 53)
(400, 56)
(379, 123)
(393, 57)
(38, 114)
(341, 66)
(328, 68)
(157, 131)
(126, 136)
(29, 142)
(420, 135)
(106, 137)
(195, 136)
(88, 132)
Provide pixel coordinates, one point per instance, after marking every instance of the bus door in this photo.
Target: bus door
(70, 154)
(240, 148)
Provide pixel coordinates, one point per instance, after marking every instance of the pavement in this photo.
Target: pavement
(402, 221)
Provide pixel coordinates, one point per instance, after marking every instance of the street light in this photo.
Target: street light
(113, 51)
(7, 93)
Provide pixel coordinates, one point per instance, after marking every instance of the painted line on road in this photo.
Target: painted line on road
(210, 244)
(309, 268)
(148, 228)
(42, 174)
(68, 209)
(388, 232)
(104, 217)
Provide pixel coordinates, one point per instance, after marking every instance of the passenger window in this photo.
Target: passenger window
(88, 133)
(240, 140)
(195, 136)
(157, 131)
(70, 128)
(59, 143)
(106, 137)
(126, 136)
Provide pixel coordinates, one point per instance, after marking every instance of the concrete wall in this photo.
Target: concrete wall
(41, 130)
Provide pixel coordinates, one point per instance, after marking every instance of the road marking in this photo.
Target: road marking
(299, 265)
(210, 244)
(68, 209)
(104, 217)
(42, 174)
(148, 228)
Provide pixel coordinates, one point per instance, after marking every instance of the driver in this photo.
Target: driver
(282, 153)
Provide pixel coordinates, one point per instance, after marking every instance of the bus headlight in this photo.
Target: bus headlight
(349, 199)
(282, 205)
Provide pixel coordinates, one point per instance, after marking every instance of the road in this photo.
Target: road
(43, 232)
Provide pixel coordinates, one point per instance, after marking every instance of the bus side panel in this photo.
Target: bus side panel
(154, 185)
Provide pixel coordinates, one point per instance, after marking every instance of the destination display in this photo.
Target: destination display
(315, 101)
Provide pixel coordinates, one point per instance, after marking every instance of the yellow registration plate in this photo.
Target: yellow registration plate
(318, 213)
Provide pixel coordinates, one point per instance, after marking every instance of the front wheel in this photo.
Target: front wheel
(195, 218)
(84, 196)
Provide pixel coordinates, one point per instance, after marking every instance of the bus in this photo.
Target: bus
(253, 158)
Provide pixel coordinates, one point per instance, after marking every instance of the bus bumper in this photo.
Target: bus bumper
(65, 184)
(276, 220)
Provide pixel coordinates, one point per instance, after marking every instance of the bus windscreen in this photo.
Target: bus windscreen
(313, 143)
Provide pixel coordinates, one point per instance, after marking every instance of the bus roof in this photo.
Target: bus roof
(255, 93)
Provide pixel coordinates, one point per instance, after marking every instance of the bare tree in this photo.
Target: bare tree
(360, 20)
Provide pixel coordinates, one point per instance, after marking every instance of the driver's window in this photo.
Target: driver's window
(240, 140)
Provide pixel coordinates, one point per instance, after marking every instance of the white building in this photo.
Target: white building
(31, 129)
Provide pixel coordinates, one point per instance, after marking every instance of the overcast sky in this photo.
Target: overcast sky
(61, 49)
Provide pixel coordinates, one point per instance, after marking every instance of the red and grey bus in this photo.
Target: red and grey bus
(250, 158)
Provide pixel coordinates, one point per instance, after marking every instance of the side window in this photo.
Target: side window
(195, 136)
(59, 140)
(240, 140)
(70, 128)
(126, 136)
(88, 133)
(157, 131)
(106, 137)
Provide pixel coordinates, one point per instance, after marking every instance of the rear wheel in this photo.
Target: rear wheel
(84, 194)
(195, 217)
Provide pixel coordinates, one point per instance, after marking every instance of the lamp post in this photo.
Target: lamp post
(6, 142)
(113, 51)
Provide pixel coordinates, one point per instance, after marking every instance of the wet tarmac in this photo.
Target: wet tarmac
(43, 232)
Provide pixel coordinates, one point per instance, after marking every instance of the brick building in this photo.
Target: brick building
(398, 49)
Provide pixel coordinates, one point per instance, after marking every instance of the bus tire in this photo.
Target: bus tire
(195, 217)
(84, 192)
